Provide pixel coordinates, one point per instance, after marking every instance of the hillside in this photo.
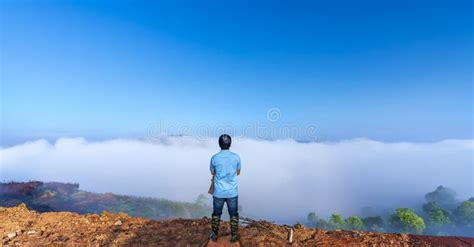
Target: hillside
(21, 226)
(55, 196)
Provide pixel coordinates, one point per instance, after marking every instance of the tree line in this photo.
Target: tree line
(440, 214)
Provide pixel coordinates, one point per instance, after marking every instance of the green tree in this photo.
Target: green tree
(314, 221)
(336, 221)
(464, 214)
(407, 221)
(354, 223)
(443, 196)
(374, 224)
(437, 216)
(201, 200)
(430, 207)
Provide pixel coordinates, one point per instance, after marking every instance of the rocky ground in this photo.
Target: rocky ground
(20, 226)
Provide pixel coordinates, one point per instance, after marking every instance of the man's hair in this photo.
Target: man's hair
(225, 141)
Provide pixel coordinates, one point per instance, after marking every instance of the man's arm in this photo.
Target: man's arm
(238, 165)
(211, 167)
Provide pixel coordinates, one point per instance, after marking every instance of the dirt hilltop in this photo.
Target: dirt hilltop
(21, 226)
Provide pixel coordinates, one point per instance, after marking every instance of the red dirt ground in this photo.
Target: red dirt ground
(20, 226)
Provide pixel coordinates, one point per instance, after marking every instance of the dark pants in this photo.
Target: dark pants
(232, 206)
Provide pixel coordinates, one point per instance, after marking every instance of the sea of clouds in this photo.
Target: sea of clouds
(281, 180)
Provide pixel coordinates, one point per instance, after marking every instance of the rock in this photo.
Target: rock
(298, 226)
(31, 232)
(123, 215)
(405, 237)
(11, 235)
(22, 207)
(118, 223)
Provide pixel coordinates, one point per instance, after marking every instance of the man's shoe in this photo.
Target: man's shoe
(213, 236)
(234, 239)
(216, 220)
(234, 229)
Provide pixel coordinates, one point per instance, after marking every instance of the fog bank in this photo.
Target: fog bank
(280, 180)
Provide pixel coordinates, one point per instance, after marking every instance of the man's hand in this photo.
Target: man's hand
(211, 188)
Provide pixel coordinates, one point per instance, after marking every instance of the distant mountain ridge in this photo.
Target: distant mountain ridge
(56, 196)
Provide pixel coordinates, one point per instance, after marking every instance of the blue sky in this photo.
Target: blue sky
(385, 70)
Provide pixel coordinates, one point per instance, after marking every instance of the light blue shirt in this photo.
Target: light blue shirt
(225, 164)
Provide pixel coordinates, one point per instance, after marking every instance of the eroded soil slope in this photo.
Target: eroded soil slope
(20, 226)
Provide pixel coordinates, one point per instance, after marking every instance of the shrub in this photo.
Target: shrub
(354, 223)
(407, 221)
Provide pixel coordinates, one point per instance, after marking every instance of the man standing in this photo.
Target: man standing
(225, 167)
